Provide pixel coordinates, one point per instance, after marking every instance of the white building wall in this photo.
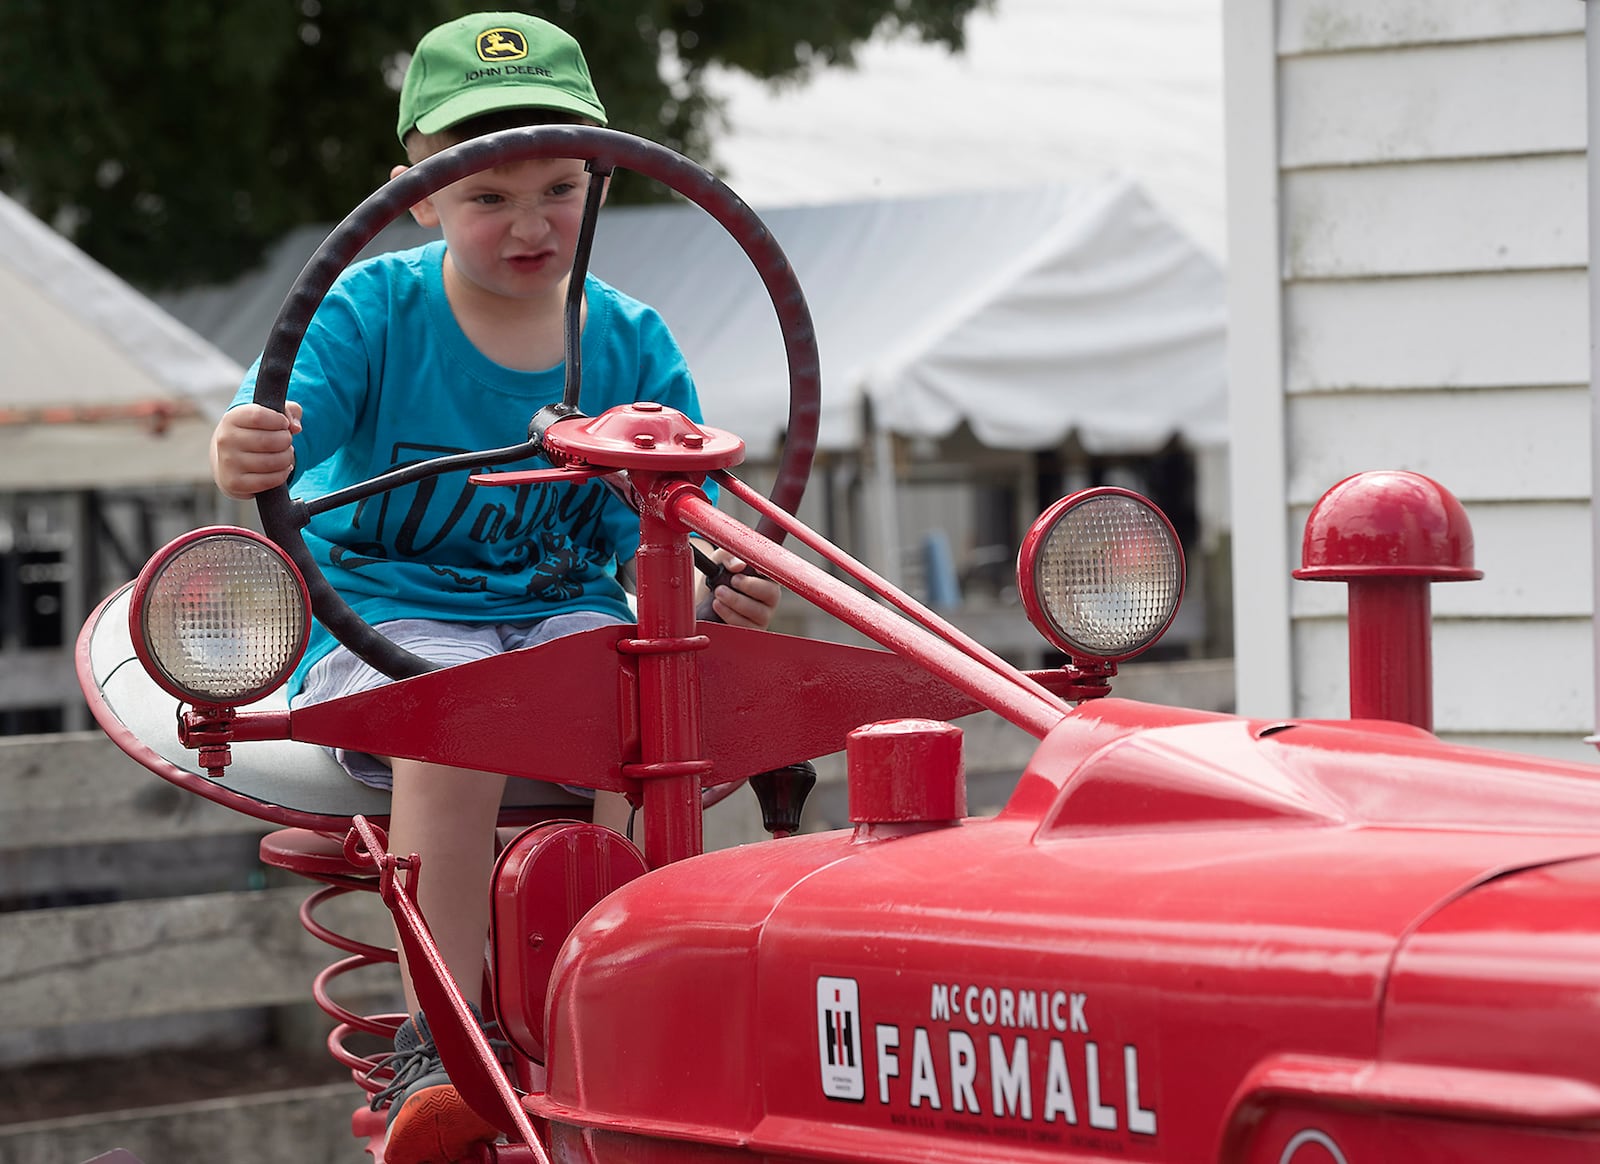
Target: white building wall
(1408, 251)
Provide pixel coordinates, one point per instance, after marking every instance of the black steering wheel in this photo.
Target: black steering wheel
(603, 151)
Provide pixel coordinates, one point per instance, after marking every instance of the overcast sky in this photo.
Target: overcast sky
(1047, 91)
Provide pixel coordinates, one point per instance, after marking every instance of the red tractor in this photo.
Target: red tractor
(1185, 937)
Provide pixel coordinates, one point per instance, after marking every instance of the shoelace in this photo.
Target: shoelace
(407, 1067)
(415, 1062)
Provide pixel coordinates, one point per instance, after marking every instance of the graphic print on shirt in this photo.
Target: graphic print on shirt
(549, 538)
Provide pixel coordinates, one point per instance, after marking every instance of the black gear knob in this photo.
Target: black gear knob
(782, 793)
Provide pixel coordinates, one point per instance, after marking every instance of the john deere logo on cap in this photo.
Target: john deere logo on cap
(501, 44)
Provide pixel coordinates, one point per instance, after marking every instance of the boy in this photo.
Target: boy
(450, 347)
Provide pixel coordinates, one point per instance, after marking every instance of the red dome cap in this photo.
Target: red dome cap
(1387, 524)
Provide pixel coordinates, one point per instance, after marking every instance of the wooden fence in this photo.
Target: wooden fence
(131, 907)
(116, 962)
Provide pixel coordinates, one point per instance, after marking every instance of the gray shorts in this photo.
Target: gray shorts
(340, 672)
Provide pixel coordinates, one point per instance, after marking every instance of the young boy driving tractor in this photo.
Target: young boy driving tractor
(449, 347)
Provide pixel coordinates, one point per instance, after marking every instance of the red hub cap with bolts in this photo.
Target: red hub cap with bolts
(644, 435)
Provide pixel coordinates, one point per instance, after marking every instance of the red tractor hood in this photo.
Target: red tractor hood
(1172, 907)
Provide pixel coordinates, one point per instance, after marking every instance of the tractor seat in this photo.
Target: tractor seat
(283, 781)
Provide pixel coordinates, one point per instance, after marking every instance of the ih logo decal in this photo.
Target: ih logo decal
(839, 1038)
(501, 44)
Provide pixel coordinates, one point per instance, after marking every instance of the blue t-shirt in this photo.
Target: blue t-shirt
(387, 378)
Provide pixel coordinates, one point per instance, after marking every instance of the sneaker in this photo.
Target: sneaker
(429, 1122)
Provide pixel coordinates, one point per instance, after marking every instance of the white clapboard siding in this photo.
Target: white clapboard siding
(1488, 444)
(1535, 560)
(1484, 672)
(1436, 217)
(1573, 749)
(1425, 162)
(1308, 26)
(1411, 104)
(1533, 676)
(1482, 445)
(1521, 327)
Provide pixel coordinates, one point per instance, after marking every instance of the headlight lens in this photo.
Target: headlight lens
(220, 617)
(1101, 574)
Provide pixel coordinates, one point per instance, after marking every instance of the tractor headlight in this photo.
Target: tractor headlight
(1101, 574)
(220, 616)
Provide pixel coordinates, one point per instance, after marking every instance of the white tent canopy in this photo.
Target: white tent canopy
(81, 355)
(74, 334)
(1027, 315)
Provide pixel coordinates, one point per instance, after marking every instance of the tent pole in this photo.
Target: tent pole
(887, 519)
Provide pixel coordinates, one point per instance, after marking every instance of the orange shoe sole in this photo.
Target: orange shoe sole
(435, 1126)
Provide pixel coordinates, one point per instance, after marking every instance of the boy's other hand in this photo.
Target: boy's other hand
(252, 450)
(747, 599)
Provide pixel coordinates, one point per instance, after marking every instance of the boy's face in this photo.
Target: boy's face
(511, 231)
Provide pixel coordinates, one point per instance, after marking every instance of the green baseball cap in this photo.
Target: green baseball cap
(491, 61)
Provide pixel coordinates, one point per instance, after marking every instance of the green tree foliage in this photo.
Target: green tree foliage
(175, 140)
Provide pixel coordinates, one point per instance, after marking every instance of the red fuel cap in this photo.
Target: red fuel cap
(906, 771)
